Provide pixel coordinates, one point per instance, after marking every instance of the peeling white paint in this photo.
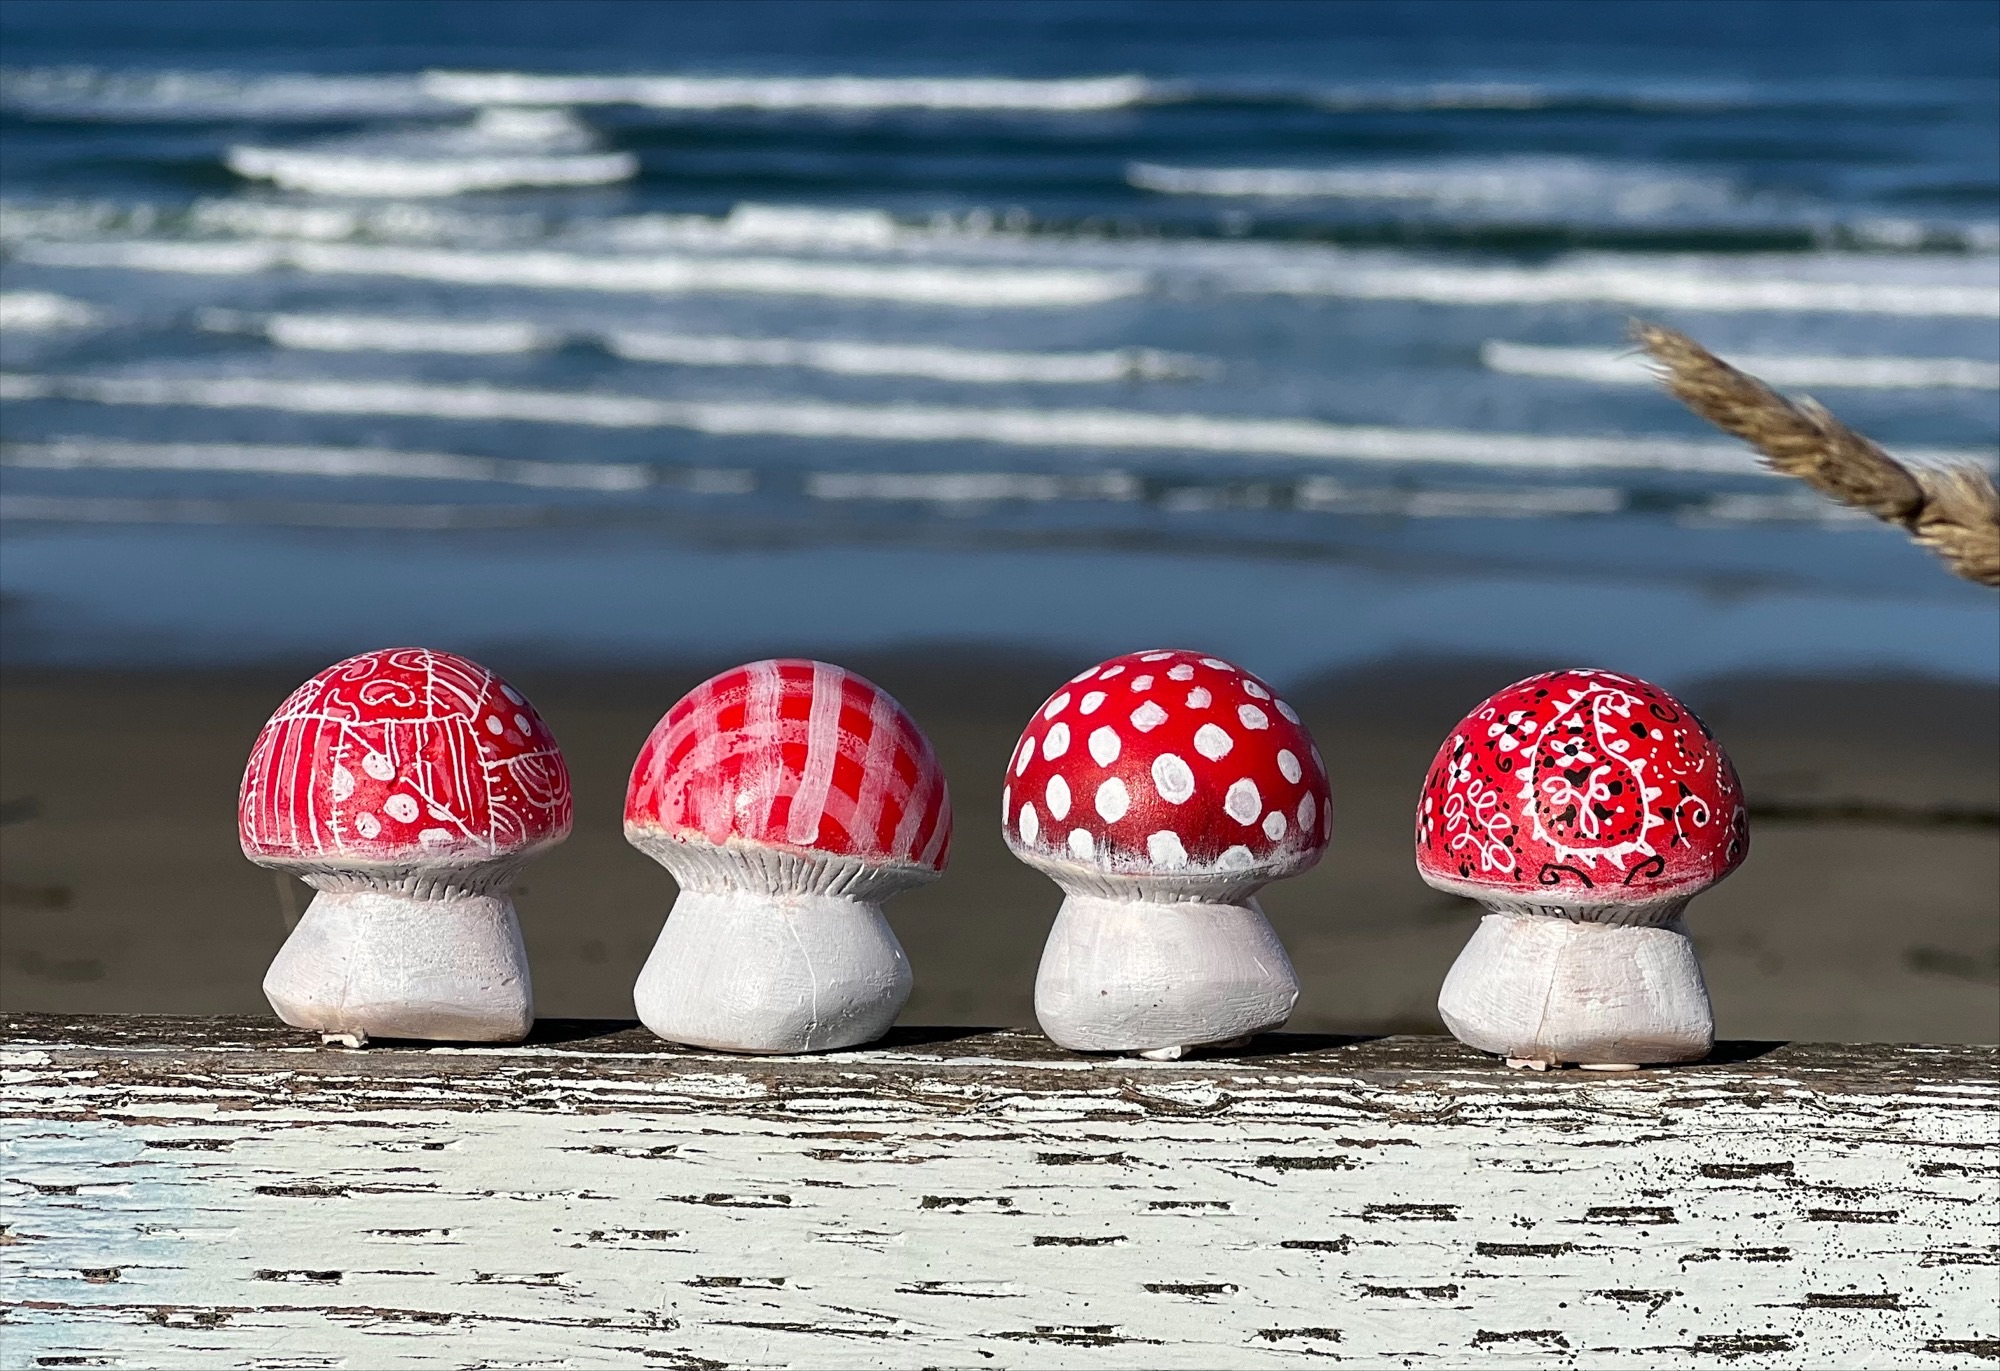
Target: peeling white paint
(987, 1202)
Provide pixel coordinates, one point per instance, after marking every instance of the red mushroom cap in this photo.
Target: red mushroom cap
(801, 756)
(1166, 769)
(399, 757)
(1581, 786)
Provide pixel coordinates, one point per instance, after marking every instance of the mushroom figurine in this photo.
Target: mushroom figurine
(1584, 810)
(789, 799)
(408, 787)
(1161, 790)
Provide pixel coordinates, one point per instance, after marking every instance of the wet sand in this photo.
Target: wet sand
(1869, 909)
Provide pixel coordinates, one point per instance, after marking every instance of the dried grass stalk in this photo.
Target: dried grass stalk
(1952, 510)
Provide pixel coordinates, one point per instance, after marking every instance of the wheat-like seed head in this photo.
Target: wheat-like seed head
(1954, 511)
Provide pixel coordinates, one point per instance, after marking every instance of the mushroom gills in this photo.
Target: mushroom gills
(743, 971)
(1159, 978)
(382, 964)
(1542, 991)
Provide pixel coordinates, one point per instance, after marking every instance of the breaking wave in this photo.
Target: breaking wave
(840, 356)
(1100, 429)
(965, 287)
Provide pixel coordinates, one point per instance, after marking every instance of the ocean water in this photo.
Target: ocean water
(610, 333)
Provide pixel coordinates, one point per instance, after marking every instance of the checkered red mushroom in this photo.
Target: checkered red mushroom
(788, 798)
(1174, 783)
(408, 786)
(1584, 809)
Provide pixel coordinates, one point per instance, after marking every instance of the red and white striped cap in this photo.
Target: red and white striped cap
(800, 756)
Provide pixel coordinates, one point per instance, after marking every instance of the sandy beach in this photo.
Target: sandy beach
(1869, 909)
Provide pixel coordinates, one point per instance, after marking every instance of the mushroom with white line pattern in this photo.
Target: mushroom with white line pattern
(1584, 810)
(408, 787)
(789, 799)
(1161, 790)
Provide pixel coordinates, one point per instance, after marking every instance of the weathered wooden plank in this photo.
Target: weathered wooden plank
(205, 1193)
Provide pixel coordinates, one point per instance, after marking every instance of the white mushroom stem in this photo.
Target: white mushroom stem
(383, 963)
(1543, 990)
(773, 952)
(1160, 977)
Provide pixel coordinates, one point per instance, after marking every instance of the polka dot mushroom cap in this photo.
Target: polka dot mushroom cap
(1581, 787)
(793, 756)
(1166, 768)
(403, 756)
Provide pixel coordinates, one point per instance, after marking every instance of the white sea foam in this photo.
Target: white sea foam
(1326, 494)
(36, 311)
(850, 357)
(346, 173)
(499, 149)
(935, 361)
(110, 455)
(1041, 428)
(377, 333)
(970, 487)
(1690, 285)
(1520, 185)
(854, 93)
(88, 93)
(970, 287)
(1612, 368)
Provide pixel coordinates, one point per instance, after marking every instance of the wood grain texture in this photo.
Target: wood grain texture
(209, 1193)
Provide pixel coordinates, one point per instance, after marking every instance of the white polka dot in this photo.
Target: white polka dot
(435, 837)
(1255, 691)
(1027, 755)
(1307, 808)
(1286, 710)
(512, 694)
(1199, 698)
(1253, 717)
(1057, 795)
(1113, 800)
(1056, 706)
(521, 722)
(1154, 656)
(1083, 675)
(1142, 683)
(1091, 702)
(493, 724)
(1111, 671)
(1166, 850)
(1212, 743)
(1243, 803)
(1288, 765)
(368, 825)
(343, 782)
(1104, 746)
(1173, 779)
(1274, 825)
(1183, 672)
(378, 766)
(1319, 761)
(1031, 823)
(1236, 858)
(1148, 717)
(1081, 845)
(401, 808)
(1055, 742)
(1217, 663)
(1006, 803)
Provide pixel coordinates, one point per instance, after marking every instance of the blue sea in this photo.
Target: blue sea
(615, 333)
